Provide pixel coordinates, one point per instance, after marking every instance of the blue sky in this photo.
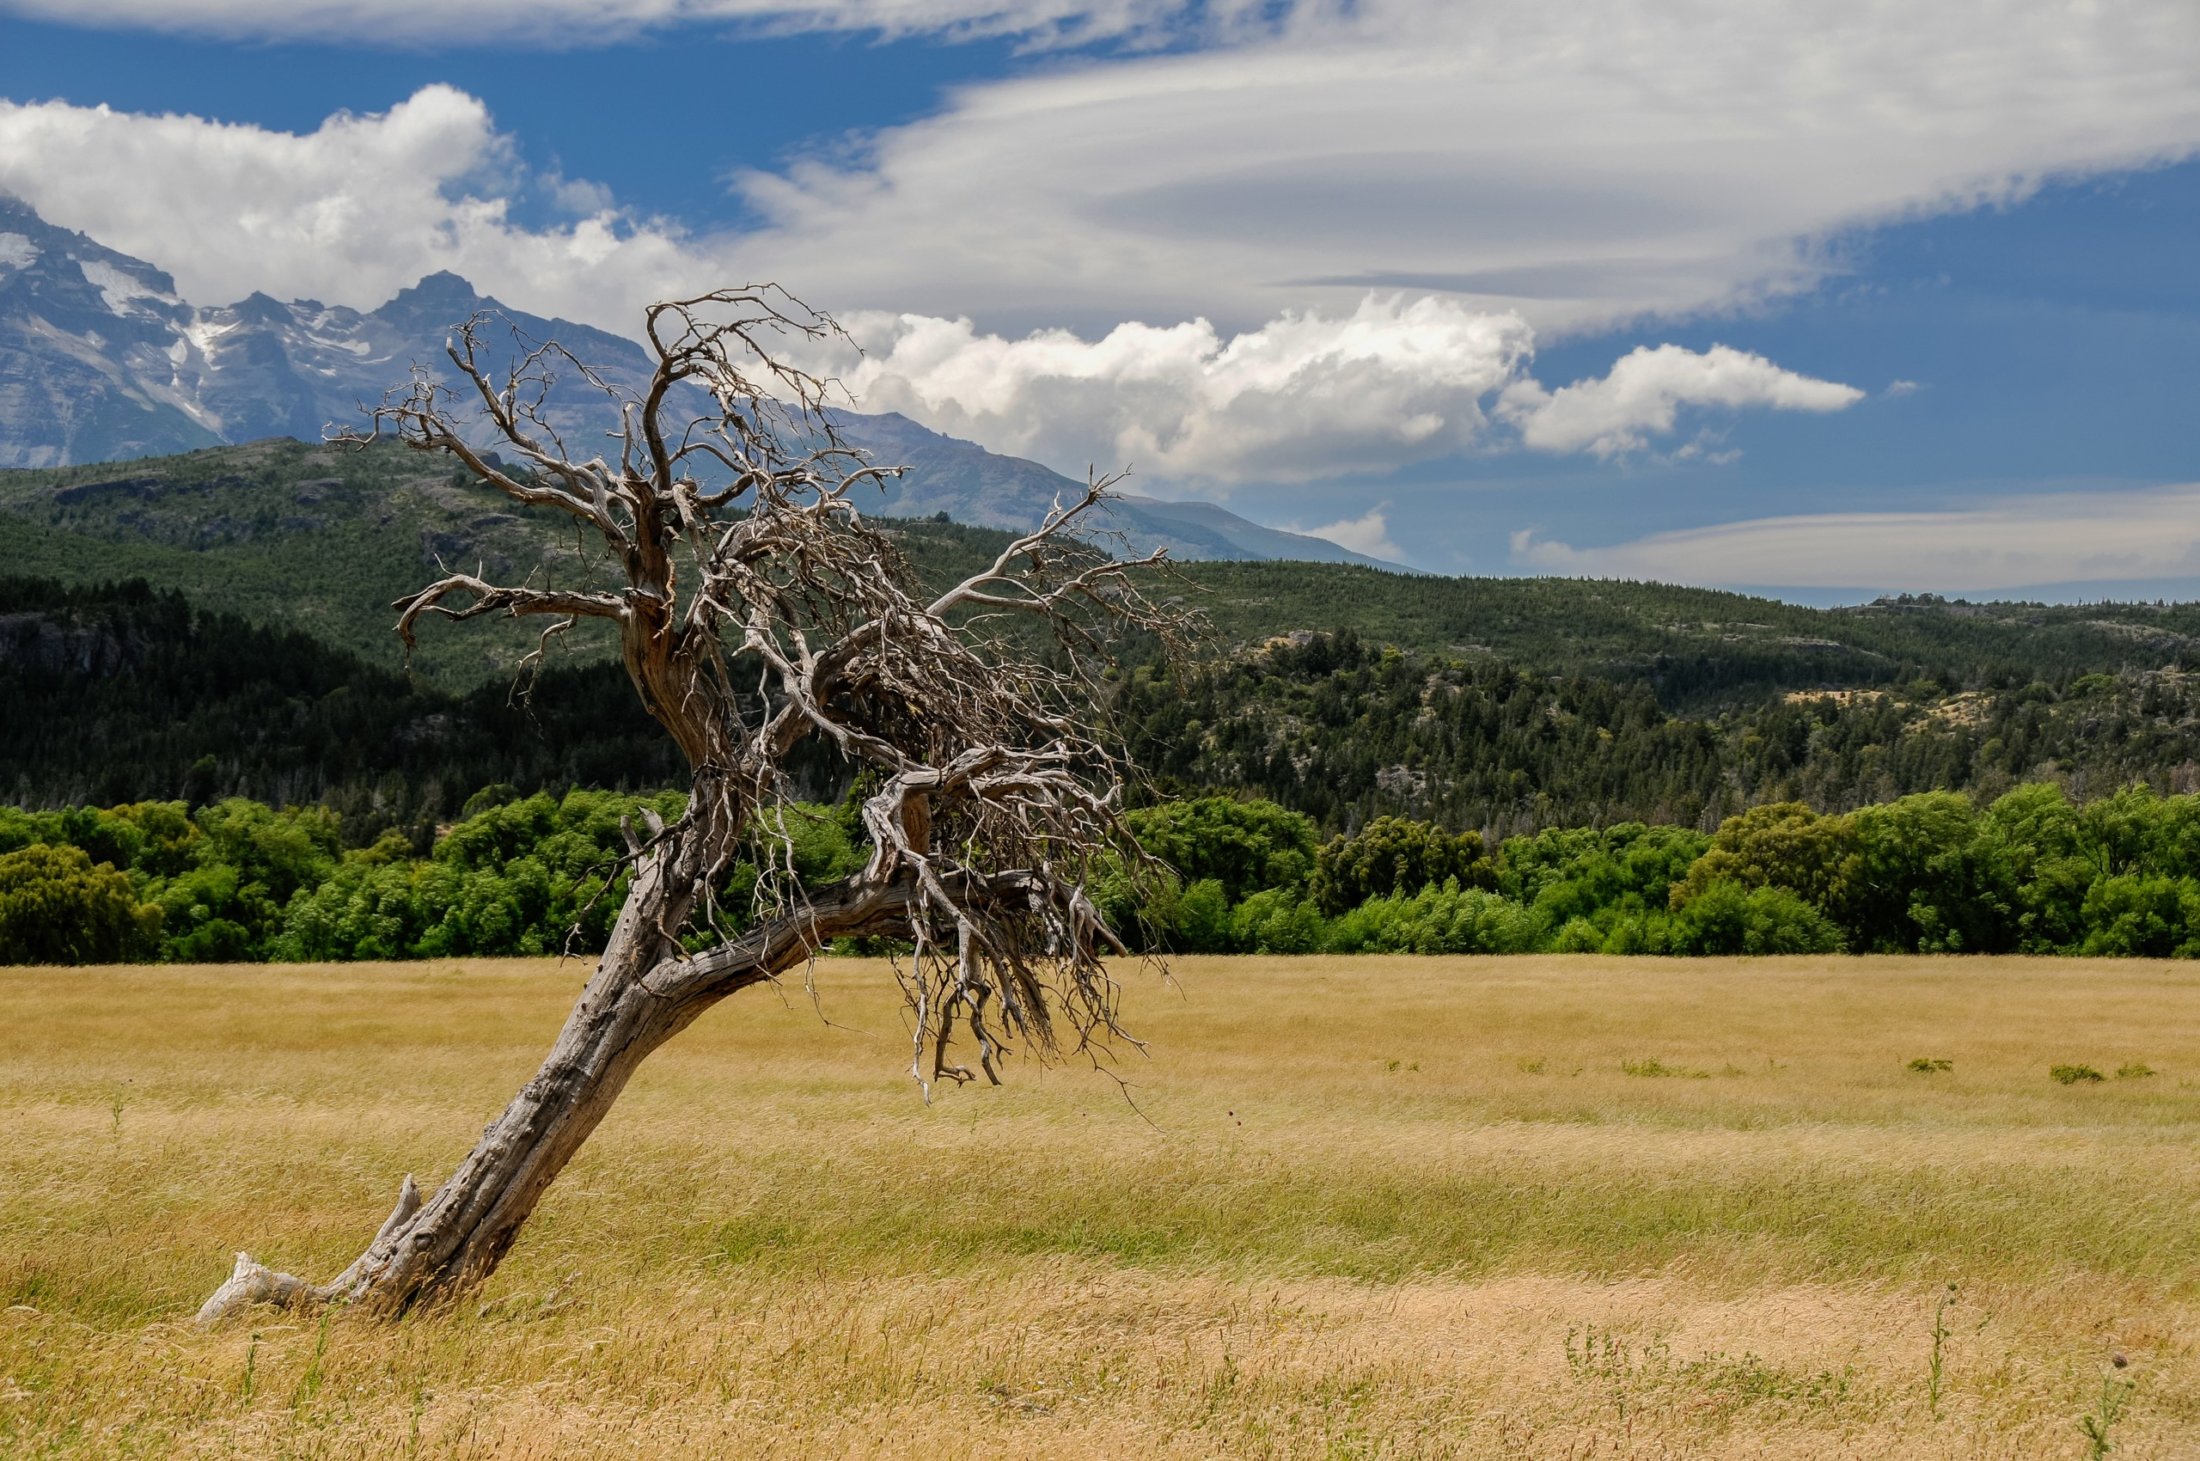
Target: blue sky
(1817, 298)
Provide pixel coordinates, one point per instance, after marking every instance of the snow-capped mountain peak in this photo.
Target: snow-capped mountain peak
(100, 360)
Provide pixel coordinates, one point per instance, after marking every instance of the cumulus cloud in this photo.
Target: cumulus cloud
(1368, 533)
(1305, 396)
(1644, 391)
(347, 213)
(2059, 538)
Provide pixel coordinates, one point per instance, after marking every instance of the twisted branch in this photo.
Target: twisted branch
(759, 611)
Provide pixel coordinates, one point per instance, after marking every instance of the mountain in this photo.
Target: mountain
(101, 360)
(97, 358)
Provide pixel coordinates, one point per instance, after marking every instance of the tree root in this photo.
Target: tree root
(252, 1282)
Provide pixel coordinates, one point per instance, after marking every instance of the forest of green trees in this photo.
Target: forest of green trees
(124, 693)
(1346, 730)
(191, 786)
(1934, 872)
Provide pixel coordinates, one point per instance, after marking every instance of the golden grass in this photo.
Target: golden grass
(1383, 1207)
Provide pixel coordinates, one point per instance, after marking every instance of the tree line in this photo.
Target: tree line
(2030, 871)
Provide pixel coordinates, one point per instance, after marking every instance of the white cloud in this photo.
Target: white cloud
(1368, 533)
(1304, 397)
(582, 197)
(1578, 163)
(365, 204)
(1486, 171)
(1642, 394)
(348, 213)
(2059, 538)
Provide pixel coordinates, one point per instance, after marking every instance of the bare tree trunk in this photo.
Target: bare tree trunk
(643, 993)
(757, 613)
(457, 1239)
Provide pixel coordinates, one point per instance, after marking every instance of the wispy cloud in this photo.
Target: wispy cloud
(563, 23)
(1576, 164)
(2058, 538)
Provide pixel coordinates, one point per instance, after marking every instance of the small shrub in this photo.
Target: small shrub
(1201, 919)
(1274, 921)
(1655, 1068)
(2070, 1075)
(1927, 1065)
(1445, 920)
(2134, 1070)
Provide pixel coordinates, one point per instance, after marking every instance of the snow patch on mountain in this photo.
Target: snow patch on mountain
(123, 291)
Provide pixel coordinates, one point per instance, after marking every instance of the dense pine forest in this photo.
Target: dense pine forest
(1345, 730)
(125, 693)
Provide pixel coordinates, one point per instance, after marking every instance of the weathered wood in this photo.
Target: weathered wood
(994, 805)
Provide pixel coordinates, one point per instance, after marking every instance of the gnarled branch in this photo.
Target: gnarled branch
(759, 612)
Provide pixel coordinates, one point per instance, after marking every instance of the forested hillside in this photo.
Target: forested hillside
(1613, 767)
(322, 539)
(129, 693)
(1698, 647)
(297, 536)
(126, 693)
(217, 624)
(1344, 730)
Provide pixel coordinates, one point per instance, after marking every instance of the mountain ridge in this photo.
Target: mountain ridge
(102, 360)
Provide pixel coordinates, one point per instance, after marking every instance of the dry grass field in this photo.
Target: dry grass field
(1530, 1207)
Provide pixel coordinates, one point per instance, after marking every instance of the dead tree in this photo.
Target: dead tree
(757, 611)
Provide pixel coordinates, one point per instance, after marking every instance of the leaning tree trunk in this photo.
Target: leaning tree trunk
(997, 807)
(643, 993)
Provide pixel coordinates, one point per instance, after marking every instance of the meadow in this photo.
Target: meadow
(1536, 1206)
